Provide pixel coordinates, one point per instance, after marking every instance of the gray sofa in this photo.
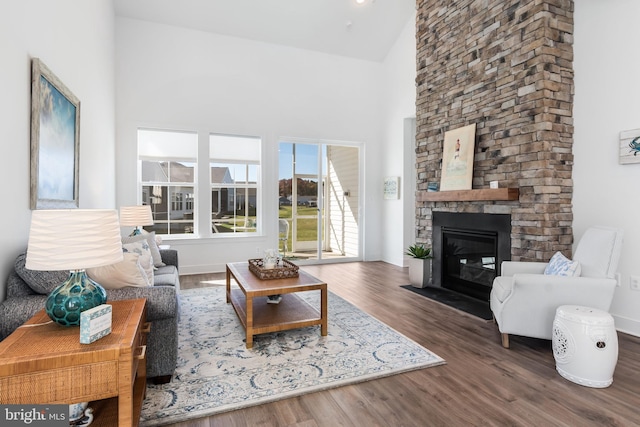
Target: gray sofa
(27, 291)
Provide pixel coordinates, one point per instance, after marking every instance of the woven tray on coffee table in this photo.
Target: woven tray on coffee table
(284, 270)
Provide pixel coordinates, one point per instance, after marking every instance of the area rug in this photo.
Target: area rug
(217, 373)
(461, 302)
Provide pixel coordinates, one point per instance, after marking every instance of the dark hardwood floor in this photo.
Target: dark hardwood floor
(482, 384)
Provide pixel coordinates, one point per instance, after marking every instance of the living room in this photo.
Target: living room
(102, 66)
(129, 73)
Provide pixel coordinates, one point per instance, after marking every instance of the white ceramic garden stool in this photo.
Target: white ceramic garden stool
(585, 345)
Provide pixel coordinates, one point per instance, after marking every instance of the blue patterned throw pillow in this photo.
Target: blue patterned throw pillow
(560, 265)
(138, 245)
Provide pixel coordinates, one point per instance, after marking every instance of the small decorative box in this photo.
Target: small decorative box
(95, 323)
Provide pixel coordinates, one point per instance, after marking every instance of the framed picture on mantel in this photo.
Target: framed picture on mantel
(457, 158)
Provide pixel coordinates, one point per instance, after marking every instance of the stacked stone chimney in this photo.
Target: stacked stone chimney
(507, 66)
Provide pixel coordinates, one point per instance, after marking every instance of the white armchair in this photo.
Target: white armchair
(524, 300)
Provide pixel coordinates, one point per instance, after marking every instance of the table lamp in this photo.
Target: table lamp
(73, 239)
(136, 216)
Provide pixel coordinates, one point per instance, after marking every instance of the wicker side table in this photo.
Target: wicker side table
(44, 363)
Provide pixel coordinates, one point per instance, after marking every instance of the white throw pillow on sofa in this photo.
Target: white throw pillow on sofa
(128, 272)
(139, 245)
(153, 246)
(150, 238)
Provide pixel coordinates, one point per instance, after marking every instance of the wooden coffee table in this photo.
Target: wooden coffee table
(258, 317)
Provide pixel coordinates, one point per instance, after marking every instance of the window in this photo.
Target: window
(168, 170)
(235, 171)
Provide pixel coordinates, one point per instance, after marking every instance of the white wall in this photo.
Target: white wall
(171, 77)
(75, 39)
(399, 94)
(607, 90)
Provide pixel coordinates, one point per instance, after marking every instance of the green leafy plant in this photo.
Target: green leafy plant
(419, 251)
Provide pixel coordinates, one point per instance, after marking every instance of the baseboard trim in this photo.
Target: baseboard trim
(626, 325)
(203, 269)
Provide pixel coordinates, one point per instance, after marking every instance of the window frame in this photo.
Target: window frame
(170, 204)
(246, 230)
(201, 202)
(170, 186)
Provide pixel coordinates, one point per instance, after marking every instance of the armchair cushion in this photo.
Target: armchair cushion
(560, 265)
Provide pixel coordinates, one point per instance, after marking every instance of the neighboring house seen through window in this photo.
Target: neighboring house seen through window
(235, 172)
(168, 165)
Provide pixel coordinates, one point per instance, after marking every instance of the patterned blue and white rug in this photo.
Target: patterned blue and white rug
(217, 373)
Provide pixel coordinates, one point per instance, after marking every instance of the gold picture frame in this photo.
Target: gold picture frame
(457, 158)
(55, 141)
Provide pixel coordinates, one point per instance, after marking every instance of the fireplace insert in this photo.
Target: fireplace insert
(468, 249)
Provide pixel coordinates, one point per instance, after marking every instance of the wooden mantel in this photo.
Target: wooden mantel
(485, 194)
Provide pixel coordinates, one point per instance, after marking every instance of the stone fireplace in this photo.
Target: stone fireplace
(506, 66)
(468, 250)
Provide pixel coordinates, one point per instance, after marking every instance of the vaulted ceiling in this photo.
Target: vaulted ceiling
(340, 27)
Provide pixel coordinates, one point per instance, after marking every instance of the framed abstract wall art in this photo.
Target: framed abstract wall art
(55, 141)
(629, 147)
(457, 158)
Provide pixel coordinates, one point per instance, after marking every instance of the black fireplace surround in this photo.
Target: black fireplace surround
(468, 249)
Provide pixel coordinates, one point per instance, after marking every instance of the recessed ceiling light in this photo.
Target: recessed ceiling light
(360, 1)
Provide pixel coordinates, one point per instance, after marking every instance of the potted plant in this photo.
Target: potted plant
(419, 265)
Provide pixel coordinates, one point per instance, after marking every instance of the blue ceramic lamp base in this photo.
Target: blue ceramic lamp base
(75, 295)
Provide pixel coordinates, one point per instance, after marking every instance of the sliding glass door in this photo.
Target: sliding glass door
(319, 188)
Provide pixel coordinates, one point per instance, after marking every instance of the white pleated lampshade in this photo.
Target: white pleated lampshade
(73, 239)
(136, 215)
